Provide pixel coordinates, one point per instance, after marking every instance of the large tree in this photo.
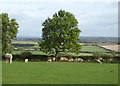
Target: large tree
(60, 32)
(9, 32)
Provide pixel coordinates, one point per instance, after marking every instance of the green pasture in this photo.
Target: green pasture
(33, 52)
(84, 48)
(59, 73)
(42, 53)
(93, 49)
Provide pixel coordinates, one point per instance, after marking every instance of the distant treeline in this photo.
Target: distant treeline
(98, 39)
(23, 45)
(82, 39)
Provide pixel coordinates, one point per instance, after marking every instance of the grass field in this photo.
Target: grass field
(59, 73)
(42, 53)
(93, 49)
(33, 52)
(84, 48)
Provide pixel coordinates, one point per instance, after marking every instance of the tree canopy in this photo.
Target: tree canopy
(60, 32)
(9, 31)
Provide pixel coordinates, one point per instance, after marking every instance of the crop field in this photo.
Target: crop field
(59, 73)
(111, 47)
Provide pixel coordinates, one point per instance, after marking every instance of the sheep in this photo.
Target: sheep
(62, 58)
(71, 60)
(76, 59)
(8, 57)
(66, 59)
(26, 60)
(53, 59)
(80, 60)
(49, 60)
(99, 60)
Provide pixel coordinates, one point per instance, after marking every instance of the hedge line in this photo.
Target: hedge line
(45, 58)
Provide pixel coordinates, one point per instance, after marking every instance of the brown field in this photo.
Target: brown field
(24, 42)
(113, 47)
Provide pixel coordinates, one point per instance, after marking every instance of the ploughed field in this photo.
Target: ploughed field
(111, 47)
(59, 73)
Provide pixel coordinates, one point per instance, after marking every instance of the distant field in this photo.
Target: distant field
(111, 47)
(33, 52)
(42, 53)
(59, 73)
(24, 42)
(93, 49)
(83, 49)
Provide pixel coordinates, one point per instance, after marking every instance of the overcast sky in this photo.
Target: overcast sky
(95, 18)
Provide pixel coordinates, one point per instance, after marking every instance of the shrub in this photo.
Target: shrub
(25, 55)
(96, 55)
(107, 57)
(86, 58)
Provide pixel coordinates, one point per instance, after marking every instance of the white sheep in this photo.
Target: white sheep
(76, 59)
(80, 60)
(8, 57)
(66, 59)
(71, 60)
(99, 60)
(61, 58)
(26, 60)
(49, 60)
(53, 59)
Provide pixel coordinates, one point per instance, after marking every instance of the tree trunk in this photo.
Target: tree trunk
(56, 55)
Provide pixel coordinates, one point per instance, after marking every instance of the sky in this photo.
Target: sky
(96, 18)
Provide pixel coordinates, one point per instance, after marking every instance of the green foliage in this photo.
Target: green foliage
(61, 32)
(9, 32)
(107, 57)
(96, 55)
(25, 55)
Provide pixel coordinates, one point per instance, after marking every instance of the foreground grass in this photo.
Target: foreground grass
(59, 73)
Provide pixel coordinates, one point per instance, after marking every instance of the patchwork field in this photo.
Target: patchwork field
(93, 49)
(84, 49)
(59, 73)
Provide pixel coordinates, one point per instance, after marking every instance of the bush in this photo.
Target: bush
(96, 55)
(25, 55)
(86, 58)
(107, 57)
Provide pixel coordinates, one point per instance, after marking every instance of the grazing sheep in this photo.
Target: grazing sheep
(49, 60)
(66, 59)
(99, 60)
(80, 60)
(8, 57)
(53, 59)
(26, 60)
(62, 58)
(71, 60)
(76, 59)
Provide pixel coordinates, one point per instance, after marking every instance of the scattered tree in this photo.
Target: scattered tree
(9, 32)
(60, 32)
